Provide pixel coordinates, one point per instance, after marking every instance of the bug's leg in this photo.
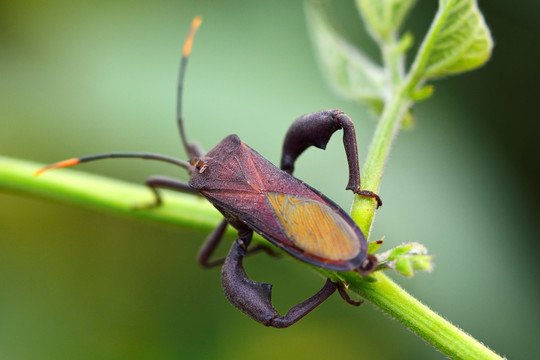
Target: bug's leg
(347, 298)
(161, 182)
(213, 240)
(210, 244)
(316, 129)
(255, 298)
(299, 311)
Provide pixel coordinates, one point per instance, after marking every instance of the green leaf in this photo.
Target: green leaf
(406, 259)
(404, 266)
(383, 17)
(348, 70)
(458, 40)
(405, 43)
(408, 121)
(374, 246)
(422, 262)
(399, 251)
(423, 93)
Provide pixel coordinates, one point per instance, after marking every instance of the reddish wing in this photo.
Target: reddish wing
(284, 210)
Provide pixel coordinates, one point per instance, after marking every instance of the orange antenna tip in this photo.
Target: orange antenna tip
(61, 164)
(192, 30)
(197, 20)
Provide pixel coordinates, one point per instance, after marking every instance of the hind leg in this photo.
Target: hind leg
(254, 298)
(316, 129)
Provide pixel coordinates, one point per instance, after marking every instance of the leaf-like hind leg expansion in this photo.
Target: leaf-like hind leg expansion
(255, 298)
(316, 129)
(299, 311)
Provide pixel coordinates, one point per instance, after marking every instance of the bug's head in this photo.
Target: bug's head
(198, 165)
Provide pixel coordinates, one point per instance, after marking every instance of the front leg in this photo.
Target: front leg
(255, 298)
(162, 182)
(316, 129)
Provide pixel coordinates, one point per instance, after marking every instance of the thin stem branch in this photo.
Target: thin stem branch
(363, 209)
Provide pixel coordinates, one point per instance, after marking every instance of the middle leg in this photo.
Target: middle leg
(212, 241)
(161, 182)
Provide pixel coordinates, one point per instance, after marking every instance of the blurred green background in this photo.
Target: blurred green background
(81, 77)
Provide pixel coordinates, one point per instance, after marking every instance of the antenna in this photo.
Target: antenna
(193, 149)
(145, 156)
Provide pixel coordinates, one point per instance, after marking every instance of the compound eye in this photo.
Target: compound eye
(201, 166)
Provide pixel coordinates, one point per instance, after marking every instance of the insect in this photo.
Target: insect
(255, 196)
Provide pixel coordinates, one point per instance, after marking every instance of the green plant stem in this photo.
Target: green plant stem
(393, 60)
(363, 209)
(447, 338)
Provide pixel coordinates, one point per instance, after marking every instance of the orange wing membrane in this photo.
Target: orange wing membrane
(314, 227)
